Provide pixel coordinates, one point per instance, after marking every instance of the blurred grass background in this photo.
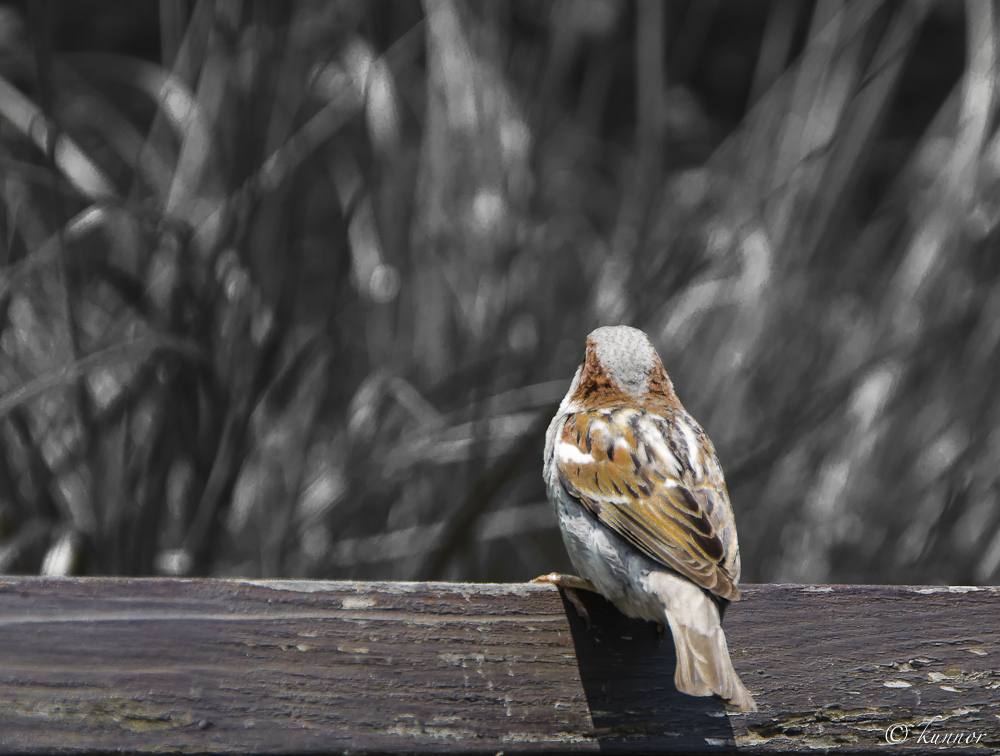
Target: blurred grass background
(293, 289)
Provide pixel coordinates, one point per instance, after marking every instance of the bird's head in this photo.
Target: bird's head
(621, 365)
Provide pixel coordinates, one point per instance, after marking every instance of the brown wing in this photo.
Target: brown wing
(655, 480)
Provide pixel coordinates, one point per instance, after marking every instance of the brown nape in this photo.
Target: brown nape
(659, 383)
(596, 387)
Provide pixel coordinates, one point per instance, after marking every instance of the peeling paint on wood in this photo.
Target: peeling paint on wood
(302, 666)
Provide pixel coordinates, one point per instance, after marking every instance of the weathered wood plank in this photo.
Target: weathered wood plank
(244, 666)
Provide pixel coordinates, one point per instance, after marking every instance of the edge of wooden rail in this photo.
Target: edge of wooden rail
(227, 666)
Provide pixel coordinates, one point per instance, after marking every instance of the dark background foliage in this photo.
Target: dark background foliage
(292, 289)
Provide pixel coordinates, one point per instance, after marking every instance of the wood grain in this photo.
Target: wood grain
(285, 666)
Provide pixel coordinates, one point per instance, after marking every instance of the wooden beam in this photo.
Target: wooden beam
(227, 666)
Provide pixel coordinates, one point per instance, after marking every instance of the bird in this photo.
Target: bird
(643, 507)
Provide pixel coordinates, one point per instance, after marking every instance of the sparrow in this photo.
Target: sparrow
(643, 507)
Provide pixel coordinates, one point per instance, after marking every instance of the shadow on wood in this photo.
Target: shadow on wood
(627, 671)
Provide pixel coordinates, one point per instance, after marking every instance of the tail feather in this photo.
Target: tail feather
(704, 667)
(703, 664)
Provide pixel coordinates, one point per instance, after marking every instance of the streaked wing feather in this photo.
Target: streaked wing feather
(625, 467)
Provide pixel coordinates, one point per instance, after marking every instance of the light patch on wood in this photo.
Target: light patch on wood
(721, 742)
(299, 586)
(939, 676)
(358, 603)
(461, 659)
